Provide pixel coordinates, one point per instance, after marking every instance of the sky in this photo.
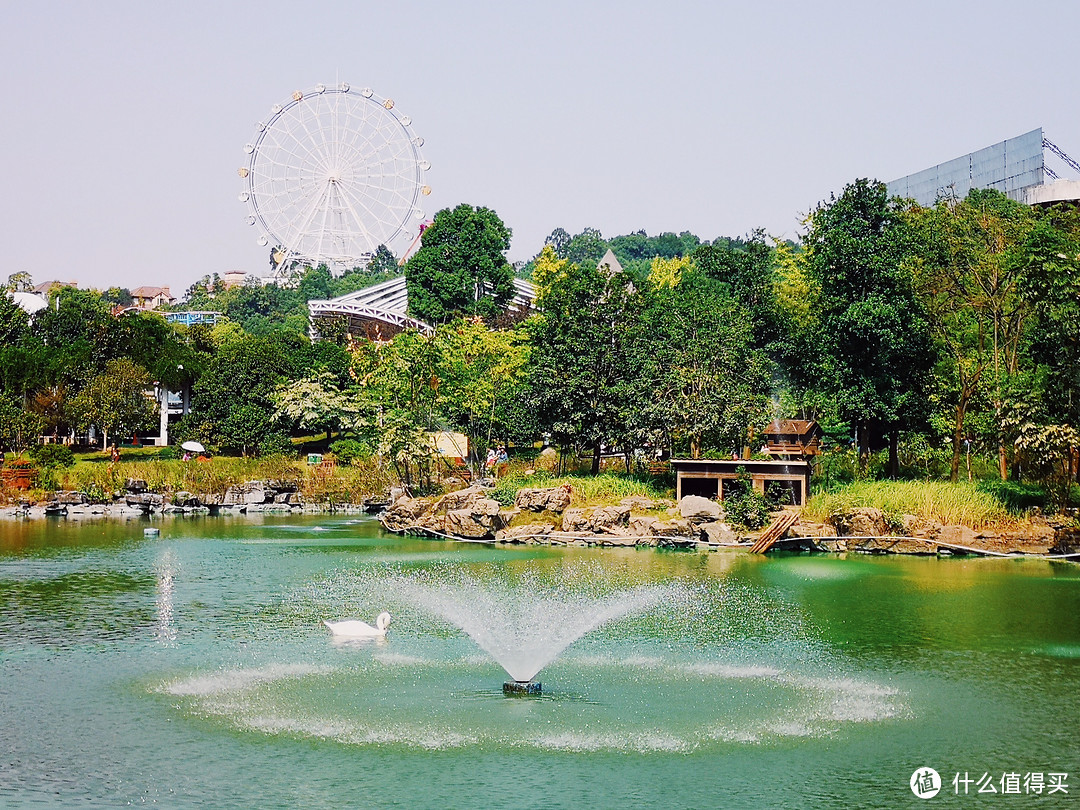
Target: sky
(124, 123)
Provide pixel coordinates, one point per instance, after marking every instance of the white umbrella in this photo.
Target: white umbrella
(194, 447)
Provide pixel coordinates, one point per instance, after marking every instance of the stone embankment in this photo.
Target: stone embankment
(136, 500)
(544, 516)
(870, 530)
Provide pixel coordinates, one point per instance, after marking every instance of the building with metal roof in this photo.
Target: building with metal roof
(381, 311)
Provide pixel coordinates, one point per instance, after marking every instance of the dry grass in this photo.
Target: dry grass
(961, 503)
(344, 484)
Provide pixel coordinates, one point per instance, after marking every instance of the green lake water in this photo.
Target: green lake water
(192, 669)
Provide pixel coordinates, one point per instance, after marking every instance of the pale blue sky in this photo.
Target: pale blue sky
(124, 122)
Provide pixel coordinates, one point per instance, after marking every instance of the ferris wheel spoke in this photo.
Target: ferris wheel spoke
(305, 143)
(351, 204)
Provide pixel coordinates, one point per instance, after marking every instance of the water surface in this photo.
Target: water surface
(192, 669)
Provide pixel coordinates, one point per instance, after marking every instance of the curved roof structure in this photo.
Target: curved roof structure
(31, 303)
(381, 311)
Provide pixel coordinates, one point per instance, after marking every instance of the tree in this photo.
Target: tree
(461, 267)
(14, 322)
(20, 282)
(708, 381)
(872, 354)
(582, 380)
(18, 428)
(746, 269)
(968, 271)
(245, 372)
(116, 400)
(316, 403)
(477, 370)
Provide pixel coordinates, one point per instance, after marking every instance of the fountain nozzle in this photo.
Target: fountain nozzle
(522, 688)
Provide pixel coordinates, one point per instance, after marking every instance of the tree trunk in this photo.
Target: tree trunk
(958, 439)
(695, 447)
(596, 459)
(894, 454)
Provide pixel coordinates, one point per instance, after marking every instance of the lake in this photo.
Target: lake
(192, 669)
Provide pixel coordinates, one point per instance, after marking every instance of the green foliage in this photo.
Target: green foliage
(52, 455)
(869, 348)
(349, 451)
(582, 371)
(277, 444)
(18, 428)
(743, 505)
(461, 267)
(116, 400)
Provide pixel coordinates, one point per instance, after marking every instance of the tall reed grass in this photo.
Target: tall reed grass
(342, 484)
(962, 503)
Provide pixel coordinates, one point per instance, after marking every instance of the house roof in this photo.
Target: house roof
(150, 292)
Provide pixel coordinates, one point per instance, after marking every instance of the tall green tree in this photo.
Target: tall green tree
(117, 400)
(968, 268)
(584, 385)
(872, 350)
(708, 381)
(461, 267)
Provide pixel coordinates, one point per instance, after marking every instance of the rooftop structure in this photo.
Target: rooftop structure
(192, 317)
(381, 311)
(1016, 166)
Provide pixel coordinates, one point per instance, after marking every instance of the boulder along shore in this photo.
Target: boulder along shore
(544, 516)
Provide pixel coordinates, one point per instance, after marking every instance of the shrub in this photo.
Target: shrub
(743, 505)
(349, 451)
(50, 456)
(277, 444)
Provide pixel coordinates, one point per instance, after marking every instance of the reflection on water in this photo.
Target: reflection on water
(194, 670)
(165, 630)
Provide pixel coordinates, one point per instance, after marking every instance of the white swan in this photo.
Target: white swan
(357, 629)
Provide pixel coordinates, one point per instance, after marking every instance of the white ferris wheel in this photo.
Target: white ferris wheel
(332, 174)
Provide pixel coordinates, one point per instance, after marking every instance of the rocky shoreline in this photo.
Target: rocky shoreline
(136, 500)
(544, 517)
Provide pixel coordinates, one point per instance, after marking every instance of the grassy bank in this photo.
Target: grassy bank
(94, 475)
(963, 503)
(601, 490)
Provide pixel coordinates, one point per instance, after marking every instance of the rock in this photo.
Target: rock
(863, 521)
(406, 513)
(639, 503)
(643, 526)
(462, 499)
(921, 527)
(696, 508)
(554, 499)
(145, 501)
(548, 459)
(674, 532)
(255, 492)
(70, 497)
(595, 520)
(135, 486)
(523, 533)
(481, 521)
(719, 533)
